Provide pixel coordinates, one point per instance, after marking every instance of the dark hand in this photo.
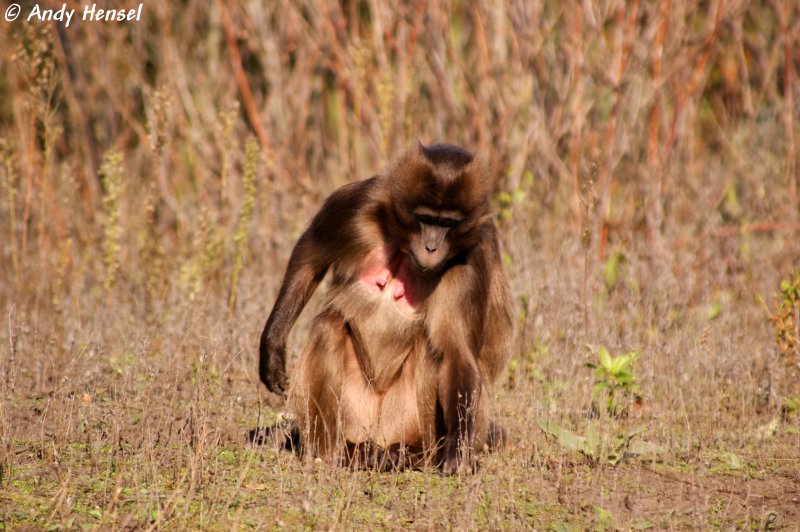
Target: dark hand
(456, 459)
(272, 367)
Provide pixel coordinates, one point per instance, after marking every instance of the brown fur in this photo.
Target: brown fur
(414, 330)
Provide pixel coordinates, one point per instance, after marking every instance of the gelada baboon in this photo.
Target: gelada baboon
(414, 329)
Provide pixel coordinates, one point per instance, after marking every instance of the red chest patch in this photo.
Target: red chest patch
(387, 271)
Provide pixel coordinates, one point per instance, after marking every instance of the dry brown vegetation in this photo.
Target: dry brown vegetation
(155, 175)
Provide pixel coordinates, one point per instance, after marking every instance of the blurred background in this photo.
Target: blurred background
(155, 175)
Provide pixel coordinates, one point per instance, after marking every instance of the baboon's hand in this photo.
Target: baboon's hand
(456, 459)
(272, 367)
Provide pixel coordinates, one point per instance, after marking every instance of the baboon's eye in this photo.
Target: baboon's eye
(441, 221)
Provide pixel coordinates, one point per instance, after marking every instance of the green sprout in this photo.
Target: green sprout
(615, 379)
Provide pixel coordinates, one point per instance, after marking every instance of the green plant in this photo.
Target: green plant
(790, 408)
(207, 253)
(616, 380)
(612, 267)
(603, 519)
(786, 320)
(604, 448)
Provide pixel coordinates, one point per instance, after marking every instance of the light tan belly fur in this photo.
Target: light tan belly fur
(379, 401)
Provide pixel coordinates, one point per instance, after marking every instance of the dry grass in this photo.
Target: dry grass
(647, 195)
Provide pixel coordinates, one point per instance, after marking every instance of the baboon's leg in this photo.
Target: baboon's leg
(317, 388)
(461, 414)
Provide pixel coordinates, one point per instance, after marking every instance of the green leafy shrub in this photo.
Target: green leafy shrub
(786, 321)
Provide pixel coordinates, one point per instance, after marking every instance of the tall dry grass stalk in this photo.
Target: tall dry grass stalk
(240, 240)
(7, 160)
(113, 187)
(227, 142)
